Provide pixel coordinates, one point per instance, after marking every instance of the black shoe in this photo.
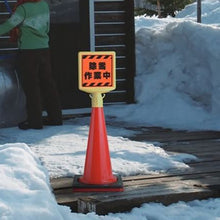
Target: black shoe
(25, 126)
(47, 121)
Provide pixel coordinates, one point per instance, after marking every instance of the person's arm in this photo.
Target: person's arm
(16, 19)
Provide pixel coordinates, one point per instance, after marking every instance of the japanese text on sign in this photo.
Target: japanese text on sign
(97, 70)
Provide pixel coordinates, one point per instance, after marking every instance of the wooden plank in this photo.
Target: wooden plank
(202, 155)
(165, 191)
(109, 6)
(193, 146)
(205, 150)
(91, 205)
(121, 73)
(66, 183)
(4, 17)
(196, 168)
(61, 183)
(120, 96)
(207, 156)
(110, 40)
(203, 179)
(121, 63)
(138, 191)
(109, 28)
(152, 190)
(120, 50)
(3, 7)
(158, 130)
(206, 179)
(172, 136)
(207, 166)
(134, 197)
(8, 51)
(121, 85)
(138, 186)
(6, 43)
(110, 17)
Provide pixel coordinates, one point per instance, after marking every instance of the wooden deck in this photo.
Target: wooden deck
(200, 181)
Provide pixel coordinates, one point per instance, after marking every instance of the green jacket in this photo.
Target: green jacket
(33, 20)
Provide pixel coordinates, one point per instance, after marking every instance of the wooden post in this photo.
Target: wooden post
(130, 50)
(158, 9)
(199, 11)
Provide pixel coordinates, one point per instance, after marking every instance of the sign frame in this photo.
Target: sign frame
(95, 57)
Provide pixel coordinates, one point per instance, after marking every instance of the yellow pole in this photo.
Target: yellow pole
(97, 99)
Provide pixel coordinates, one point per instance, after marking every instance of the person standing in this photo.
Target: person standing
(30, 22)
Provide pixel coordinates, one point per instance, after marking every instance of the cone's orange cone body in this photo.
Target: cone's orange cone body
(98, 168)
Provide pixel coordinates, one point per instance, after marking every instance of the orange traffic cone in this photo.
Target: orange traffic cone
(98, 171)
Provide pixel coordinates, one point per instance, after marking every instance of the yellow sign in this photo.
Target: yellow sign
(97, 71)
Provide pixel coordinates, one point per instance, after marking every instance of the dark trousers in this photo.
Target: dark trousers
(34, 68)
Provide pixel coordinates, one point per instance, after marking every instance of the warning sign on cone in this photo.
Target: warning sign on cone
(98, 170)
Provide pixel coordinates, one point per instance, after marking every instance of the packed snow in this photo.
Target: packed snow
(176, 85)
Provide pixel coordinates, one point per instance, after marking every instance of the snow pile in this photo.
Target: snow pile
(180, 74)
(24, 186)
(202, 210)
(177, 82)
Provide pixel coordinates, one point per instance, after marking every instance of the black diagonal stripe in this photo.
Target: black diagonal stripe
(91, 57)
(91, 84)
(107, 84)
(106, 57)
(99, 84)
(84, 84)
(99, 57)
(84, 56)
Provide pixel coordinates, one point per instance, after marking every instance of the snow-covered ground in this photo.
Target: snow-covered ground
(177, 86)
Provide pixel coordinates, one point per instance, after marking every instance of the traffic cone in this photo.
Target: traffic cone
(97, 171)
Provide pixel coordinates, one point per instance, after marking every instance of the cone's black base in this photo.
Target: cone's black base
(82, 187)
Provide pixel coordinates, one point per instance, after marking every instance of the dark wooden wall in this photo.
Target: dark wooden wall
(114, 31)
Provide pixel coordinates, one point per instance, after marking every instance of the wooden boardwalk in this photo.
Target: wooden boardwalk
(200, 181)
